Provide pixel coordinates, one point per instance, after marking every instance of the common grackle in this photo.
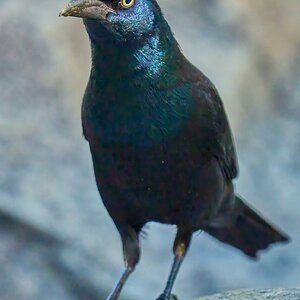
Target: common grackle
(159, 137)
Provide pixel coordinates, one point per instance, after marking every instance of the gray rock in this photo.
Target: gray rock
(267, 294)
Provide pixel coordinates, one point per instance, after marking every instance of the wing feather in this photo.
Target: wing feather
(215, 132)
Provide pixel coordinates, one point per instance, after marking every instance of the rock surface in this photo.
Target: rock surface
(265, 294)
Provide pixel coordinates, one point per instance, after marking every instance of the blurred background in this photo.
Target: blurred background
(56, 239)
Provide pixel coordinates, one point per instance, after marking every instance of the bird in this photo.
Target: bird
(160, 140)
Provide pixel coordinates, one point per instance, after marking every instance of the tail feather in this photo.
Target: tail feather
(248, 232)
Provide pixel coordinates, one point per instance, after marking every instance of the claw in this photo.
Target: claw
(164, 297)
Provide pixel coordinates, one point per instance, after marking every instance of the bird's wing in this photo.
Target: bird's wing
(213, 129)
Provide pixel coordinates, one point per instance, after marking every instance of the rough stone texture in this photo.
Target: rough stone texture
(268, 294)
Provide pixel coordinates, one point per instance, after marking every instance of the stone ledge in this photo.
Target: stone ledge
(264, 294)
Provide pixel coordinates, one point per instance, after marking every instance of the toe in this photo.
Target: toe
(164, 297)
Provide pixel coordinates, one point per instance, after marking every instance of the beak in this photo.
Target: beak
(89, 9)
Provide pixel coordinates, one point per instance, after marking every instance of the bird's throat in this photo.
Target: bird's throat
(149, 57)
(136, 93)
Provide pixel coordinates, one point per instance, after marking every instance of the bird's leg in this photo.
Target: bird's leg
(181, 245)
(131, 252)
(118, 288)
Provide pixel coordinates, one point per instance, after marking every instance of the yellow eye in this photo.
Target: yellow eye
(126, 3)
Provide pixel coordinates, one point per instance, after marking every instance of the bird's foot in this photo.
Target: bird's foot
(164, 297)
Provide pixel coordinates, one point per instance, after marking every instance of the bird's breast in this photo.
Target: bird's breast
(138, 116)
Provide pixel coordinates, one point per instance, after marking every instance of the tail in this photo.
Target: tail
(247, 231)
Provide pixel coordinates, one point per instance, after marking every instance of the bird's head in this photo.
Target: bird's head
(122, 20)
